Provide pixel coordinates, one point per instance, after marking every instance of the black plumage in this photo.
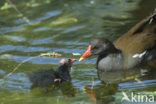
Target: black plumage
(47, 77)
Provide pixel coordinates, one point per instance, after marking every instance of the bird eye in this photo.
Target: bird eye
(69, 60)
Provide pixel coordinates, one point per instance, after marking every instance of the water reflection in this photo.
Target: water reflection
(17, 81)
(66, 89)
(102, 94)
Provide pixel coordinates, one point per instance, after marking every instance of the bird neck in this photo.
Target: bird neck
(63, 68)
(113, 53)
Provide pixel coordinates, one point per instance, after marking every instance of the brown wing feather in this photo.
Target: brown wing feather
(140, 38)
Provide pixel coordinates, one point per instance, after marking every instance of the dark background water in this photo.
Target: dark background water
(66, 27)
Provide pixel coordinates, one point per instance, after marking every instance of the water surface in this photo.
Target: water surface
(66, 27)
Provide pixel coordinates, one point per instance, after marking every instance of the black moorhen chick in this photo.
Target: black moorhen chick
(136, 47)
(47, 77)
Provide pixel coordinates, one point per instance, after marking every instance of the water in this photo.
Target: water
(66, 27)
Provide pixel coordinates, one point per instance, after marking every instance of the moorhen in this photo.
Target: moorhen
(47, 77)
(136, 47)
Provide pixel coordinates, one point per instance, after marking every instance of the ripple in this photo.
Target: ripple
(53, 13)
(12, 29)
(137, 85)
(6, 48)
(65, 50)
(35, 60)
(47, 40)
(15, 38)
(71, 29)
(47, 16)
(2, 72)
(16, 81)
(41, 29)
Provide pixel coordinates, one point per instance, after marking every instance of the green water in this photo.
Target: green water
(31, 27)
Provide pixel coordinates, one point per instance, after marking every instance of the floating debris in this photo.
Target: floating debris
(5, 55)
(76, 54)
(64, 21)
(54, 54)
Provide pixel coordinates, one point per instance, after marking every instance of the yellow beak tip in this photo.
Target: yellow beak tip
(81, 59)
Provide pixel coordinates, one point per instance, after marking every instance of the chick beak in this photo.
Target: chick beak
(86, 54)
(72, 60)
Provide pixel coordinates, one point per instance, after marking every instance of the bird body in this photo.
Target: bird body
(135, 48)
(47, 77)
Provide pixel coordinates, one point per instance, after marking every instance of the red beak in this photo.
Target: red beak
(72, 60)
(86, 54)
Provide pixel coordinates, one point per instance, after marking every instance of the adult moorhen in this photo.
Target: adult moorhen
(136, 47)
(47, 77)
